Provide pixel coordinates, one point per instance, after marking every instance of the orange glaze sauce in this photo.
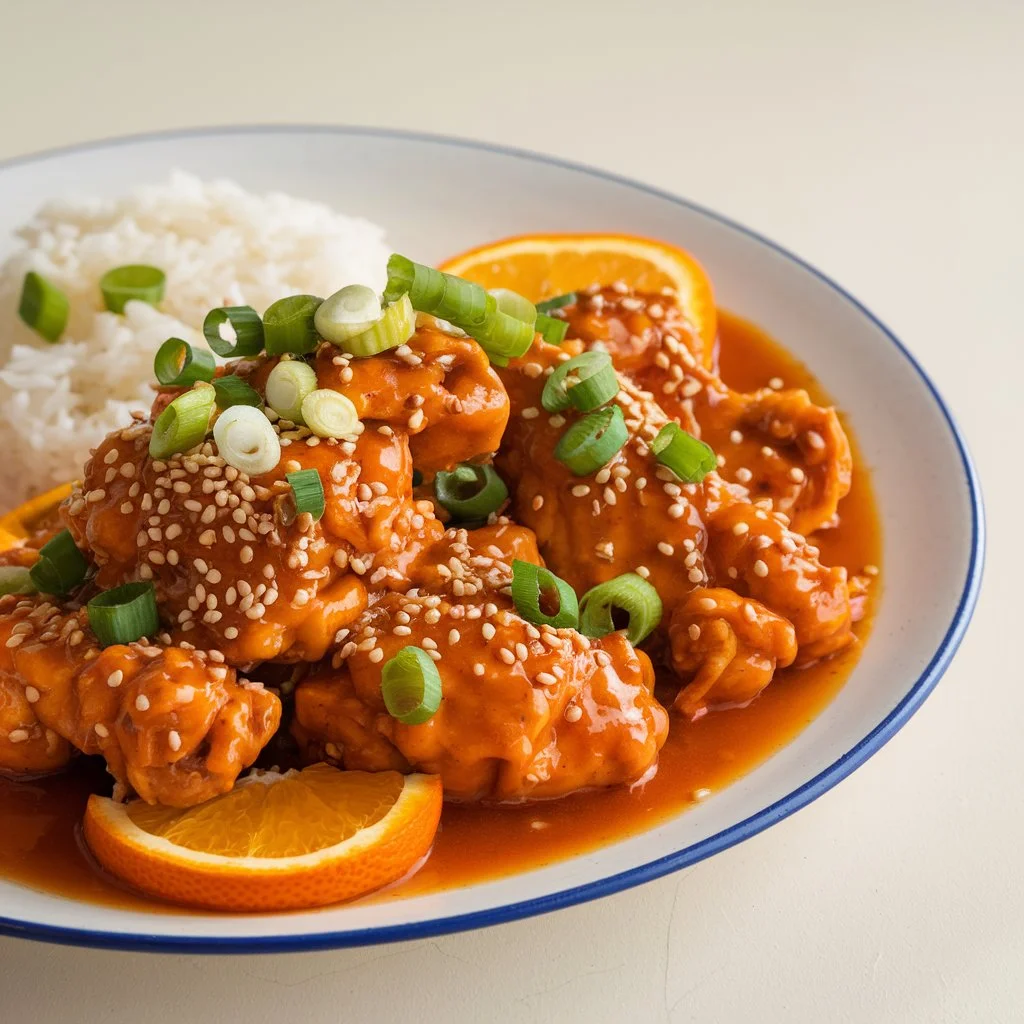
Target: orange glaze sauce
(39, 821)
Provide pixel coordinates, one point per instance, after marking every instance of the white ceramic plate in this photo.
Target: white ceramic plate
(437, 196)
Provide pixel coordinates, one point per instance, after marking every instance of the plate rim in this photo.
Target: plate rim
(828, 777)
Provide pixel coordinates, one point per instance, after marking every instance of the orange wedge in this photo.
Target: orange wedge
(19, 523)
(275, 842)
(542, 266)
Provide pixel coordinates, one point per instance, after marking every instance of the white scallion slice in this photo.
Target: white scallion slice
(347, 313)
(247, 440)
(330, 414)
(288, 384)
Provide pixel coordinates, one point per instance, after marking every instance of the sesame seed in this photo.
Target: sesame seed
(230, 633)
(538, 503)
(694, 631)
(573, 713)
(141, 702)
(741, 528)
(101, 730)
(376, 655)
(676, 511)
(522, 652)
(760, 568)
(749, 612)
(488, 631)
(796, 474)
(776, 383)
(402, 630)
(580, 491)
(871, 570)
(642, 570)
(432, 617)
(478, 669)
(695, 575)
(115, 678)
(14, 641)
(31, 694)
(767, 452)
(174, 740)
(454, 636)
(707, 604)
(736, 436)
(506, 656)
(665, 548)
(17, 735)
(530, 413)
(416, 420)
(207, 538)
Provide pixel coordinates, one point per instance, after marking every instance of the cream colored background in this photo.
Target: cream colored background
(883, 140)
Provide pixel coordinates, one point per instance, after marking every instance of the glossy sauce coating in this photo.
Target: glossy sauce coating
(38, 837)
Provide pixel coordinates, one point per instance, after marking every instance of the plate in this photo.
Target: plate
(438, 196)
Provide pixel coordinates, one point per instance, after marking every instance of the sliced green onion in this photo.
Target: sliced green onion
(394, 328)
(232, 390)
(247, 440)
(244, 323)
(61, 566)
(288, 384)
(348, 312)
(411, 686)
(460, 302)
(513, 304)
(558, 302)
(15, 579)
(330, 414)
(592, 441)
(179, 365)
(288, 325)
(587, 381)
(503, 336)
(691, 460)
(184, 423)
(307, 492)
(628, 593)
(553, 331)
(470, 492)
(529, 584)
(135, 282)
(43, 306)
(124, 614)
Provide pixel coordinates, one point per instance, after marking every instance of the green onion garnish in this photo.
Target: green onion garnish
(411, 686)
(691, 460)
(394, 328)
(288, 325)
(531, 584)
(513, 304)
(135, 282)
(460, 302)
(43, 306)
(184, 423)
(551, 330)
(232, 390)
(558, 302)
(179, 365)
(330, 414)
(592, 441)
(503, 337)
(587, 382)
(347, 313)
(15, 579)
(628, 593)
(247, 440)
(288, 384)
(470, 492)
(124, 614)
(307, 492)
(61, 566)
(246, 325)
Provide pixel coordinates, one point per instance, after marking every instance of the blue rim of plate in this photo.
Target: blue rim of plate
(768, 816)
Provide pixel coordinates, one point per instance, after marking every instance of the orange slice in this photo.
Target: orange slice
(542, 266)
(19, 523)
(275, 842)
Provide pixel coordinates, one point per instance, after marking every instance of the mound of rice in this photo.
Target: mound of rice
(218, 245)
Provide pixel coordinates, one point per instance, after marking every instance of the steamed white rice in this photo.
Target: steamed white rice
(218, 245)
